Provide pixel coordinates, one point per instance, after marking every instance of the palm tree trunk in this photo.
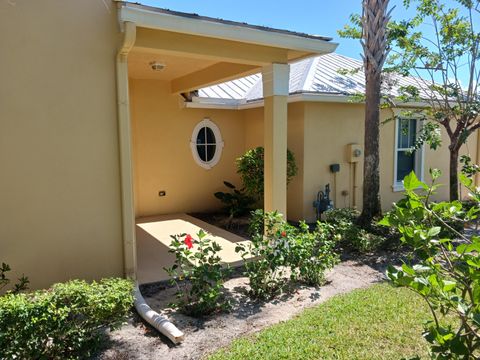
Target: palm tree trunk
(374, 41)
(371, 174)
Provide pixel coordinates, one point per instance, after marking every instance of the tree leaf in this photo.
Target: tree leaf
(411, 182)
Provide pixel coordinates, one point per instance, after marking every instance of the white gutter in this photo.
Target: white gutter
(229, 104)
(149, 18)
(126, 170)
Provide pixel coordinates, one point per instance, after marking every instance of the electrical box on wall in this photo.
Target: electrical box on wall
(354, 153)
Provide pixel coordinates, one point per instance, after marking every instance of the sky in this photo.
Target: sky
(318, 17)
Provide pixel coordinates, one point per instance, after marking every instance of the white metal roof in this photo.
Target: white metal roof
(317, 75)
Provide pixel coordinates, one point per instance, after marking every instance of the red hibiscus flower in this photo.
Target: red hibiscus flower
(188, 241)
(284, 233)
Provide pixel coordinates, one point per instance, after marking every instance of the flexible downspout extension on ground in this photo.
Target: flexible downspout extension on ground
(130, 262)
(156, 320)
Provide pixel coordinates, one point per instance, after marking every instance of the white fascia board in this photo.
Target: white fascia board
(169, 22)
(206, 103)
(217, 101)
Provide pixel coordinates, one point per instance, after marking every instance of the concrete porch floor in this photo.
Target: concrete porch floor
(153, 240)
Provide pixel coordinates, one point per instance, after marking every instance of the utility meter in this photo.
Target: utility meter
(354, 153)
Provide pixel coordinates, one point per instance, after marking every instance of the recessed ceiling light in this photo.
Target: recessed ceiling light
(157, 66)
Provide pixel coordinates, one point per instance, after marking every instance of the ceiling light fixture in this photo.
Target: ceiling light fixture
(156, 66)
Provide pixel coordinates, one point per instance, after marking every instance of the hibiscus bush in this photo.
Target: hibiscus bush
(447, 271)
(278, 249)
(266, 256)
(198, 274)
(311, 252)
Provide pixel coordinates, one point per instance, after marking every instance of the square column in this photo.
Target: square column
(275, 92)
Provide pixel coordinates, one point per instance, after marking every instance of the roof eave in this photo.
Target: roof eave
(202, 103)
(143, 17)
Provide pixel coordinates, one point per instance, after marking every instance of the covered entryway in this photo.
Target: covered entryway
(154, 237)
(170, 154)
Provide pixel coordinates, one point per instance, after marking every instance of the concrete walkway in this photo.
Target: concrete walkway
(153, 241)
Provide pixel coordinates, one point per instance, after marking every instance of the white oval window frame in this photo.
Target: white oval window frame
(218, 142)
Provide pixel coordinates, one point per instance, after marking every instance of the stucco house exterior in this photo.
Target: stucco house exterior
(112, 111)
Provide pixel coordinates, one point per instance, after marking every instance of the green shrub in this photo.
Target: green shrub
(236, 202)
(198, 274)
(277, 246)
(250, 166)
(64, 322)
(361, 240)
(447, 271)
(311, 253)
(341, 215)
(353, 236)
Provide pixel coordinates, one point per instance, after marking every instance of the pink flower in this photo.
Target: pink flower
(188, 241)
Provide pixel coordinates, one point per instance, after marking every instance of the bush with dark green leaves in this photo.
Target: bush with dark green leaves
(352, 235)
(447, 272)
(250, 166)
(236, 202)
(63, 322)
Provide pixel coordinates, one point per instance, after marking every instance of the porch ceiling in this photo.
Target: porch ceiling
(185, 73)
(175, 66)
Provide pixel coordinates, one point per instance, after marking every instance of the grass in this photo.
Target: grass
(380, 322)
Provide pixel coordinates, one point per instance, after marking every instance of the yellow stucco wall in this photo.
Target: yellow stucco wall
(60, 190)
(163, 160)
(330, 127)
(320, 132)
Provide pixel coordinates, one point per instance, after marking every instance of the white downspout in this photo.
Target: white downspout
(126, 170)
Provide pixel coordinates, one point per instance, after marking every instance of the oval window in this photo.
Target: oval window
(206, 144)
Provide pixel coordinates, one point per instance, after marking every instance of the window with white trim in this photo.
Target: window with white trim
(406, 160)
(206, 144)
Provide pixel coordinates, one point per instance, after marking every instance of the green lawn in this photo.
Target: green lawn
(380, 322)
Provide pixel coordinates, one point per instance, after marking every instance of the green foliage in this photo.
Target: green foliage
(250, 166)
(197, 274)
(430, 134)
(350, 234)
(439, 49)
(277, 247)
(469, 168)
(236, 202)
(447, 275)
(341, 216)
(21, 285)
(64, 322)
(311, 253)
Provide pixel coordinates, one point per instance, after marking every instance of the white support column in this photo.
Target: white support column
(275, 93)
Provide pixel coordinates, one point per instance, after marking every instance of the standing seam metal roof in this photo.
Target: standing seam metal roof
(319, 75)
